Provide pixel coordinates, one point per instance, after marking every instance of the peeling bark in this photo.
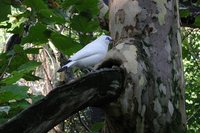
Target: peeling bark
(148, 47)
(66, 100)
(147, 43)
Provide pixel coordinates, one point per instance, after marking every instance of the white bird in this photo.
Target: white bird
(89, 55)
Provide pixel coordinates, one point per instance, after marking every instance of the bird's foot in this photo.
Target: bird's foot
(88, 70)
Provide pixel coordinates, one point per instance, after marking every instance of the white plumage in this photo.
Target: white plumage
(89, 55)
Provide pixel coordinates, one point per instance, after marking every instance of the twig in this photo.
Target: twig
(48, 78)
(193, 114)
(6, 67)
(52, 61)
(83, 123)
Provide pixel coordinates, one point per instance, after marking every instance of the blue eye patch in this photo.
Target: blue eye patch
(109, 38)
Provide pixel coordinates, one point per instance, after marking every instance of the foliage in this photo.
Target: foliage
(96, 127)
(189, 12)
(67, 24)
(191, 59)
(14, 66)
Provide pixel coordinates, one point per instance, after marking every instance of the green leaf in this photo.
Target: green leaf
(17, 106)
(67, 3)
(2, 119)
(86, 6)
(38, 34)
(184, 13)
(11, 92)
(36, 4)
(3, 61)
(197, 21)
(80, 23)
(18, 49)
(97, 126)
(13, 78)
(5, 10)
(30, 77)
(29, 66)
(32, 50)
(44, 13)
(18, 59)
(50, 17)
(90, 6)
(65, 44)
(20, 72)
(85, 39)
(185, 52)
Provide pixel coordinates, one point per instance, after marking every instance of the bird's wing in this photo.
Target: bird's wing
(88, 50)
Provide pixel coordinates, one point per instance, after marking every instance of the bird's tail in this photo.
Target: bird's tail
(62, 69)
(66, 66)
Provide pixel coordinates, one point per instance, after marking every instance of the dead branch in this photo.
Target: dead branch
(95, 89)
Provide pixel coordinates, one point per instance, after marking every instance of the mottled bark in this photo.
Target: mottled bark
(148, 45)
(96, 89)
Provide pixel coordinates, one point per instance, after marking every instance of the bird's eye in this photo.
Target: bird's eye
(108, 38)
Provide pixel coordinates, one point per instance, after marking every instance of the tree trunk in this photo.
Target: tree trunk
(148, 46)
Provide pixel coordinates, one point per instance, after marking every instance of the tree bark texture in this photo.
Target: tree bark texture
(96, 89)
(148, 45)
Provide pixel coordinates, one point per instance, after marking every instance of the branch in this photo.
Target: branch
(95, 89)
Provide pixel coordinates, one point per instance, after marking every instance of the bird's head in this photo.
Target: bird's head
(107, 39)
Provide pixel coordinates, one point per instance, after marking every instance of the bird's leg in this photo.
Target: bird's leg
(77, 72)
(91, 69)
(87, 70)
(69, 74)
